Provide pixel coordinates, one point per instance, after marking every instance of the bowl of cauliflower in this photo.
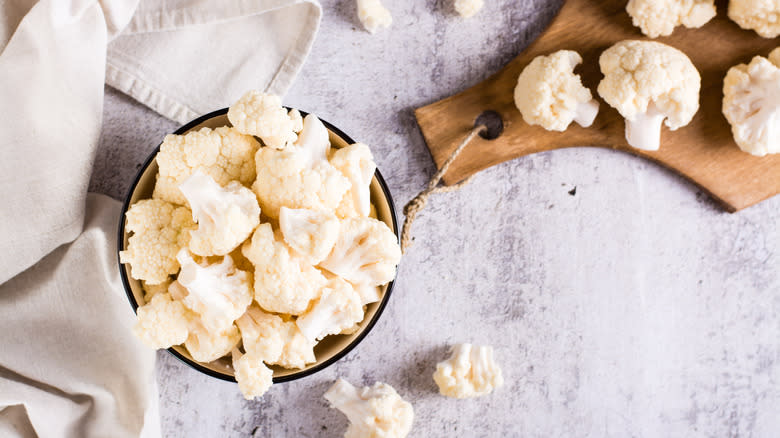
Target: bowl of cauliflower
(258, 244)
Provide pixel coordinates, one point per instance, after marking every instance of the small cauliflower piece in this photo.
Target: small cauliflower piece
(160, 229)
(470, 372)
(467, 8)
(223, 153)
(357, 164)
(206, 346)
(297, 120)
(253, 377)
(550, 95)
(762, 16)
(218, 292)
(660, 17)
(263, 115)
(310, 233)
(163, 322)
(649, 82)
(262, 334)
(375, 411)
(373, 15)
(299, 176)
(338, 308)
(226, 216)
(751, 104)
(366, 252)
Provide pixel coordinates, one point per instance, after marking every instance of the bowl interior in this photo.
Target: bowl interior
(329, 349)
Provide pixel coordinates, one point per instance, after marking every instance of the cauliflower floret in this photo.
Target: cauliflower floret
(274, 340)
(762, 16)
(253, 377)
(751, 104)
(223, 153)
(261, 114)
(299, 176)
(368, 294)
(284, 283)
(150, 290)
(366, 252)
(467, 8)
(375, 411)
(357, 164)
(297, 120)
(310, 233)
(226, 216)
(207, 346)
(660, 17)
(648, 82)
(160, 229)
(219, 292)
(470, 372)
(163, 322)
(549, 94)
(373, 15)
(339, 308)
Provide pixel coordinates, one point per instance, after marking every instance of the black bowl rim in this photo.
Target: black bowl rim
(197, 366)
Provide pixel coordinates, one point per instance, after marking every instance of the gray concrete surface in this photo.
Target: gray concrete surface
(633, 307)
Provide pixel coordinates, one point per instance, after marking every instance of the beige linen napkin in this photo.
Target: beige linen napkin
(68, 364)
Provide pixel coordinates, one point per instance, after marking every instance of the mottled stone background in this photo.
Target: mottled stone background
(633, 307)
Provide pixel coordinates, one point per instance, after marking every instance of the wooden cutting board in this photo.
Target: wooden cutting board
(704, 151)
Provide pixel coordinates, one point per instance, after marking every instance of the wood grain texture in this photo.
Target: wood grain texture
(704, 151)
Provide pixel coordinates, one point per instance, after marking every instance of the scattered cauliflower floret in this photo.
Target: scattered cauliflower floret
(338, 308)
(310, 233)
(467, 8)
(206, 346)
(226, 216)
(357, 164)
(549, 94)
(470, 372)
(375, 411)
(373, 15)
(299, 176)
(160, 229)
(366, 252)
(649, 82)
(284, 282)
(751, 104)
(163, 322)
(660, 17)
(219, 292)
(223, 153)
(253, 377)
(762, 16)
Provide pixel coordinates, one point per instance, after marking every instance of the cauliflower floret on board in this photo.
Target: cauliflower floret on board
(549, 94)
(207, 346)
(470, 372)
(160, 229)
(373, 15)
(649, 82)
(253, 376)
(310, 233)
(339, 308)
(299, 176)
(660, 17)
(366, 252)
(751, 104)
(284, 282)
(357, 164)
(226, 216)
(372, 411)
(468, 8)
(263, 115)
(163, 322)
(762, 16)
(223, 153)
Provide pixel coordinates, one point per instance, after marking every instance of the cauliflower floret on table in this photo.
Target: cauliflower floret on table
(284, 282)
(226, 216)
(470, 372)
(549, 94)
(263, 115)
(253, 376)
(223, 153)
(751, 104)
(163, 322)
(649, 82)
(274, 340)
(373, 411)
(339, 308)
(373, 15)
(762, 16)
(468, 8)
(357, 164)
(310, 233)
(207, 346)
(160, 229)
(299, 176)
(366, 252)
(660, 17)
